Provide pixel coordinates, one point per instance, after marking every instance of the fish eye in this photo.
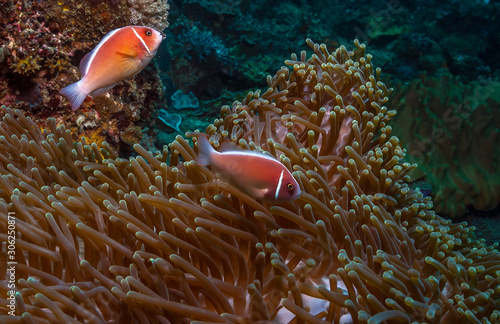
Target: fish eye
(290, 187)
(148, 33)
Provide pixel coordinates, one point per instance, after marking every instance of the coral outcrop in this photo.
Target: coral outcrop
(39, 54)
(452, 131)
(161, 239)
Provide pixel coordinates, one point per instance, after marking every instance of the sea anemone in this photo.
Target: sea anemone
(161, 239)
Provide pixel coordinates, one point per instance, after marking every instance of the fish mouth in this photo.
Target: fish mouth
(297, 195)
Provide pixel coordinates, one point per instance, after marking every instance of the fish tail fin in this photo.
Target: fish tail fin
(205, 150)
(75, 94)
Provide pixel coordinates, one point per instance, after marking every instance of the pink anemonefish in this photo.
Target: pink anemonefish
(256, 174)
(121, 54)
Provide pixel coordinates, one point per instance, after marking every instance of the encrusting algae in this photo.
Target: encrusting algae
(163, 240)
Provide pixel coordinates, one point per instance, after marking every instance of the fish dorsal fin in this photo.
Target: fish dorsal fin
(101, 91)
(87, 59)
(228, 146)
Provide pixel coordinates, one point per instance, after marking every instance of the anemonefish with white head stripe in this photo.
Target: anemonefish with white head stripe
(256, 174)
(121, 54)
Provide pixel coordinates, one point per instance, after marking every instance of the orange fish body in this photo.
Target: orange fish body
(254, 173)
(121, 54)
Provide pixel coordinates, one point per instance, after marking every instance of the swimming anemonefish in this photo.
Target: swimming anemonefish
(121, 54)
(254, 173)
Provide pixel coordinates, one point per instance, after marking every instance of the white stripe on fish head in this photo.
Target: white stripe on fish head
(142, 40)
(278, 187)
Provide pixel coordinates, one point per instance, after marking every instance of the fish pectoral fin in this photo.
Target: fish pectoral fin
(129, 64)
(128, 55)
(101, 91)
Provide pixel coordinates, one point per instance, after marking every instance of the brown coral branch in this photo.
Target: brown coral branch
(163, 239)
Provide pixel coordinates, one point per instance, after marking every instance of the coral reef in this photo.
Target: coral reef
(234, 58)
(451, 130)
(408, 37)
(40, 54)
(161, 239)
